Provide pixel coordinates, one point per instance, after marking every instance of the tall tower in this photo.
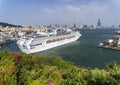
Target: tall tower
(98, 23)
(74, 25)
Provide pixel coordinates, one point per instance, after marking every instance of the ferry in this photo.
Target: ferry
(44, 40)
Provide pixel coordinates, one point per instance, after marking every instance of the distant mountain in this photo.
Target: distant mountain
(7, 24)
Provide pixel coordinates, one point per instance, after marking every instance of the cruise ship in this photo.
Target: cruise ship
(43, 40)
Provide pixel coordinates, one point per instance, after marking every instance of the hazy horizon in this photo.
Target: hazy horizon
(36, 12)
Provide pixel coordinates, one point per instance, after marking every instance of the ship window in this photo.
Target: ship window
(36, 44)
(70, 37)
(54, 40)
(49, 41)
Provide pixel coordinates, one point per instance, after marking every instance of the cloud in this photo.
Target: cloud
(47, 10)
(69, 13)
(116, 2)
(79, 11)
(72, 8)
(95, 7)
(89, 7)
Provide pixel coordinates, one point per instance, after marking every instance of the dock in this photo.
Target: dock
(108, 47)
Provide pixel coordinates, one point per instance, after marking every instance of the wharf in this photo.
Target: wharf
(108, 47)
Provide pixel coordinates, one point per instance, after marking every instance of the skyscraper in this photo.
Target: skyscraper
(98, 24)
(74, 25)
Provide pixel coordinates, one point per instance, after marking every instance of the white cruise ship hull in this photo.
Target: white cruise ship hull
(45, 46)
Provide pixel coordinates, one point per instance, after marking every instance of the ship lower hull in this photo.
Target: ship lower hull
(48, 46)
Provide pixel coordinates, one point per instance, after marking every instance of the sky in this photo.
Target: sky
(39, 12)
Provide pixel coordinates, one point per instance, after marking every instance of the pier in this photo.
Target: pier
(108, 47)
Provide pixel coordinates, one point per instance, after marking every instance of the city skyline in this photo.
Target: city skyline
(36, 12)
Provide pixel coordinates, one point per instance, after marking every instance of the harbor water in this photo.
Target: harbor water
(83, 52)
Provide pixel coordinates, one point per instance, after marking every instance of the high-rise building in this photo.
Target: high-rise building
(98, 23)
(74, 25)
(119, 26)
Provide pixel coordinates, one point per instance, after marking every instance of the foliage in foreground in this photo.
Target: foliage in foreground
(23, 69)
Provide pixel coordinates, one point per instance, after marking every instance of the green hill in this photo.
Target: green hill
(24, 69)
(7, 24)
